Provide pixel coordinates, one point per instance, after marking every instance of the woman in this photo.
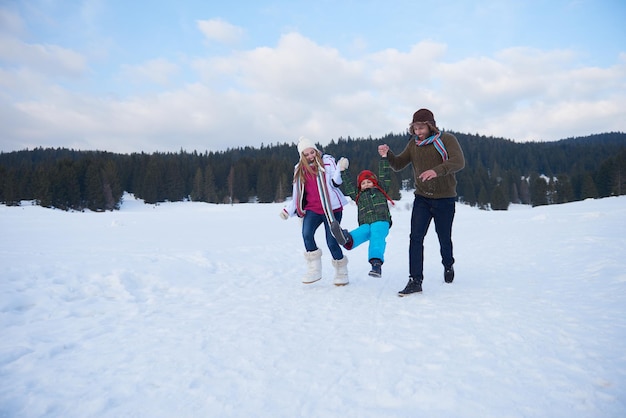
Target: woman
(316, 199)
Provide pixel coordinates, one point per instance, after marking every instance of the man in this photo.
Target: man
(436, 157)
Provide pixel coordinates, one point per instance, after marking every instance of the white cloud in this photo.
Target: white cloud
(220, 31)
(525, 94)
(157, 71)
(275, 94)
(10, 23)
(49, 59)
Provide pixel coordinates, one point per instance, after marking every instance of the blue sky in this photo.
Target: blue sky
(132, 76)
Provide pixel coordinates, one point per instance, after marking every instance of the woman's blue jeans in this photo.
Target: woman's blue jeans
(310, 223)
(424, 210)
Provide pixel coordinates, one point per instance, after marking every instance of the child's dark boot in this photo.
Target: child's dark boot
(376, 267)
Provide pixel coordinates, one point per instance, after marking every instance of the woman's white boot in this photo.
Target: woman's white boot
(314, 266)
(341, 271)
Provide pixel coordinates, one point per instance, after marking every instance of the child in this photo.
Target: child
(373, 212)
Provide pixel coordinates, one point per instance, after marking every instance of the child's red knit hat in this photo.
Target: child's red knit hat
(366, 175)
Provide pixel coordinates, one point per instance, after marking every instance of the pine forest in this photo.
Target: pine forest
(497, 173)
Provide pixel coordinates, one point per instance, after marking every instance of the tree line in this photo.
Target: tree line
(498, 172)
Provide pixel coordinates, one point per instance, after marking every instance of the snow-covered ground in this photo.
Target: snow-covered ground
(197, 310)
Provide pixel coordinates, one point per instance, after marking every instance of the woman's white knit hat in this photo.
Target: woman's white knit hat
(304, 143)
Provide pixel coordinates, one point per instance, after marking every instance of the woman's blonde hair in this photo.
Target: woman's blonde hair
(303, 168)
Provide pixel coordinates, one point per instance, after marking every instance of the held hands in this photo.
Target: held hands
(383, 150)
(283, 214)
(343, 164)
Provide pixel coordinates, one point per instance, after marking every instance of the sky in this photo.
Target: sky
(156, 319)
(148, 76)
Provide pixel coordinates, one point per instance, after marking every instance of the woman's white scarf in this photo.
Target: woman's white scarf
(322, 188)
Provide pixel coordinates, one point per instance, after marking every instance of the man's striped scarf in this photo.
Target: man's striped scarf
(436, 141)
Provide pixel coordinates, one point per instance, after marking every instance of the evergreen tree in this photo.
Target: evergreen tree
(610, 177)
(264, 188)
(43, 187)
(231, 185)
(465, 190)
(102, 190)
(111, 187)
(564, 191)
(483, 198)
(174, 185)
(282, 188)
(619, 174)
(210, 192)
(551, 193)
(538, 191)
(241, 186)
(498, 199)
(514, 194)
(8, 185)
(524, 191)
(198, 189)
(94, 197)
(149, 191)
(589, 189)
(66, 186)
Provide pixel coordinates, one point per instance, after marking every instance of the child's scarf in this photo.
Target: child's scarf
(376, 185)
(436, 141)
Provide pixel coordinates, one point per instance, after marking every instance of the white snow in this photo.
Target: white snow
(197, 310)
